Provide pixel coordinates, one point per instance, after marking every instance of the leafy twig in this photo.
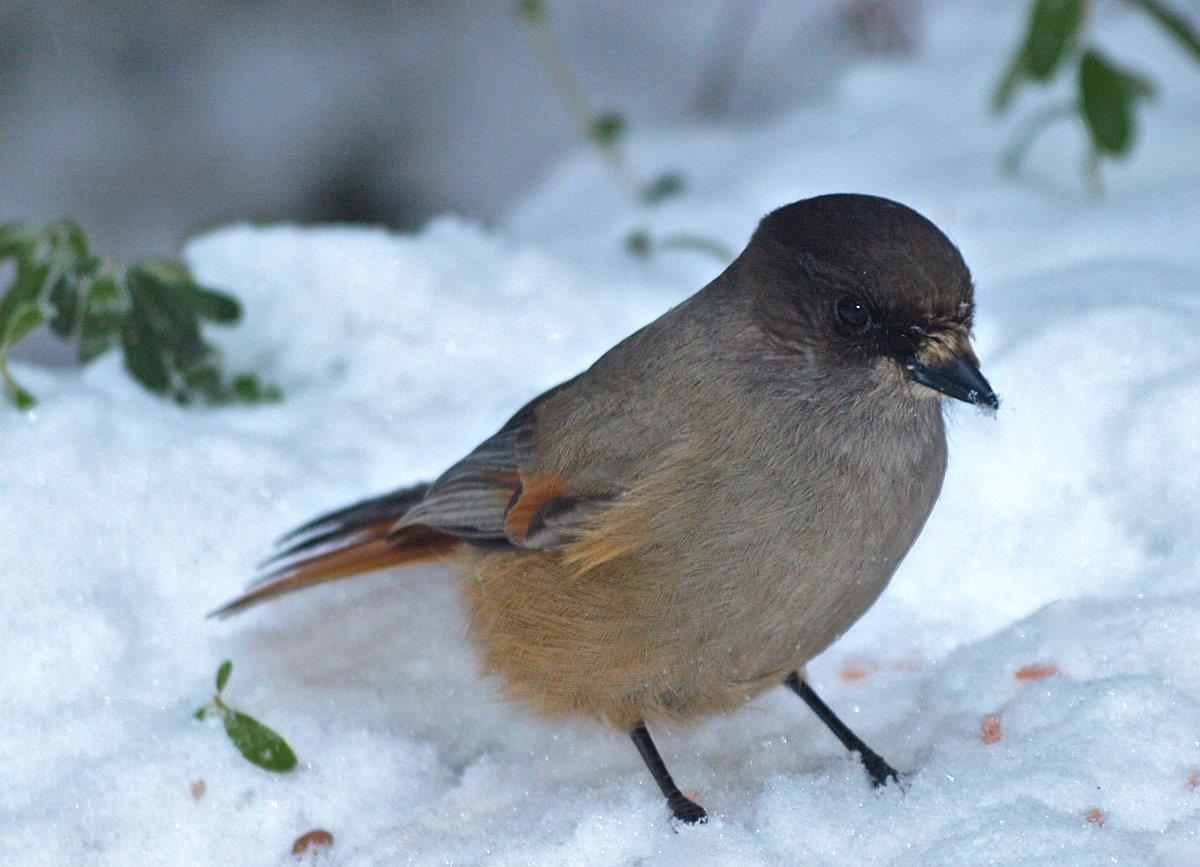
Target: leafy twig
(1176, 26)
(606, 132)
(1107, 94)
(152, 309)
(1049, 36)
(257, 743)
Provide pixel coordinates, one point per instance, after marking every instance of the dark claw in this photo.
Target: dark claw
(687, 811)
(880, 772)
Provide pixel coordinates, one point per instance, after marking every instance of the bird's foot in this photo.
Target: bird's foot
(686, 811)
(880, 772)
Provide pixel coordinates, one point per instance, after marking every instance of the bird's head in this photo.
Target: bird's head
(868, 290)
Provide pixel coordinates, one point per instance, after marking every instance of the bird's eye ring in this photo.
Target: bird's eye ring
(852, 313)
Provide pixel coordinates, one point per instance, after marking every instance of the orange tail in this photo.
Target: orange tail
(344, 543)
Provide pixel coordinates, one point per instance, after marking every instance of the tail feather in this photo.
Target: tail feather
(306, 544)
(346, 542)
(390, 505)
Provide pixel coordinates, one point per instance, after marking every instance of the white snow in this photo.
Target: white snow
(1065, 539)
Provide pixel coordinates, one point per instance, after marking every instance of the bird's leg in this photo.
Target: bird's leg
(684, 809)
(878, 769)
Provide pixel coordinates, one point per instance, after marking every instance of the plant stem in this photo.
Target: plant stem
(571, 92)
(728, 37)
(698, 243)
(22, 398)
(1092, 172)
(1011, 159)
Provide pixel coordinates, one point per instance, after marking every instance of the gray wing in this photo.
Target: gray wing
(491, 498)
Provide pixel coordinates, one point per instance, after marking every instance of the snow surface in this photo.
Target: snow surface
(1033, 665)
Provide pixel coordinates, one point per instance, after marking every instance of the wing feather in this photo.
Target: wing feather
(495, 495)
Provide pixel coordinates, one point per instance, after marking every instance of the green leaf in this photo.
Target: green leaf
(607, 129)
(1107, 96)
(201, 713)
(98, 335)
(209, 304)
(24, 320)
(166, 270)
(533, 10)
(1175, 24)
(173, 325)
(104, 308)
(1051, 31)
(143, 357)
(663, 187)
(205, 379)
(64, 297)
(21, 398)
(75, 240)
(259, 744)
(18, 239)
(175, 277)
(248, 388)
(21, 321)
(26, 289)
(1106, 106)
(223, 673)
(638, 243)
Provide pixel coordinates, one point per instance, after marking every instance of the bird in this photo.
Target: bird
(688, 522)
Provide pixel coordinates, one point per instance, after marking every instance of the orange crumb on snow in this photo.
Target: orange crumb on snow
(1096, 816)
(853, 672)
(1036, 671)
(991, 732)
(314, 841)
(198, 789)
(1193, 781)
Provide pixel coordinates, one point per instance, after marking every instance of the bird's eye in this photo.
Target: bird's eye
(852, 313)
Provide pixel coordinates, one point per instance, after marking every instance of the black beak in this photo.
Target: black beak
(960, 379)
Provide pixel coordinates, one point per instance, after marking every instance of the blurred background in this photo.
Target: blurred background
(149, 122)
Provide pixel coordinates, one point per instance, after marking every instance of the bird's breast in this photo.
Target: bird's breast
(807, 537)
